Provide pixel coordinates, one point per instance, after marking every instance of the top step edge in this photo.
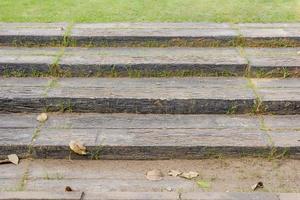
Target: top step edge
(189, 34)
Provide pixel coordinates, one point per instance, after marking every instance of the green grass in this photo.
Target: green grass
(150, 10)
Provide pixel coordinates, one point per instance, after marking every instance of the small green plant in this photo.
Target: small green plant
(66, 106)
(232, 110)
(203, 184)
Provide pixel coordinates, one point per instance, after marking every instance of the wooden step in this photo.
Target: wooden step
(147, 196)
(150, 34)
(150, 62)
(138, 136)
(151, 95)
(222, 179)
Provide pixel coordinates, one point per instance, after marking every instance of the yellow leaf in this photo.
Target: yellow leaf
(77, 147)
(42, 117)
(13, 158)
(189, 175)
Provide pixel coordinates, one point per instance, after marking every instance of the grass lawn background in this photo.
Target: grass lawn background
(150, 10)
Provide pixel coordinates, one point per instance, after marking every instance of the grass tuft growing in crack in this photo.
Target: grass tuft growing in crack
(275, 152)
(23, 182)
(258, 107)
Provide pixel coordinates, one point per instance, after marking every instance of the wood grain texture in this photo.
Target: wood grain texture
(149, 34)
(83, 62)
(92, 61)
(42, 195)
(144, 95)
(229, 196)
(279, 96)
(131, 136)
(272, 62)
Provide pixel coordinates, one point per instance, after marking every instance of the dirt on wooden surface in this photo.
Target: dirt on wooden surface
(215, 175)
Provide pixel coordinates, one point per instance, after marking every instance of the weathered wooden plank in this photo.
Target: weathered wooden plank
(287, 142)
(150, 34)
(279, 96)
(16, 132)
(151, 61)
(277, 122)
(26, 61)
(151, 136)
(11, 171)
(132, 195)
(289, 196)
(272, 34)
(15, 141)
(168, 95)
(41, 195)
(18, 121)
(32, 34)
(139, 62)
(114, 176)
(150, 144)
(150, 121)
(272, 62)
(9, 184)
(228, 196)
(146, 195)
(122, 61)
(153, 34)
(109, 185)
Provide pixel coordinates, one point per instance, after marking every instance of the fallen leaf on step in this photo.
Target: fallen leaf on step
(154, 175)
(13, 158)
(42, 117)
(298, 52)
(158, 103)
(77, 147)
(189, 175)
(169, 189)
(174, 173)
(203, 184)
(257, 186)
(68, 189)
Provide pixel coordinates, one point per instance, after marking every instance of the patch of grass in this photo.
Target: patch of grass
(232, 110)
(258, 107)
(23, 181)
(275, 152)
(56, 71)
(280, 72)
(66, 106)
(56, 176)
(150, 10)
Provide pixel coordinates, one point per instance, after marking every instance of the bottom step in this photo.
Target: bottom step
(138, 136)
(146, 196)
(218, 179)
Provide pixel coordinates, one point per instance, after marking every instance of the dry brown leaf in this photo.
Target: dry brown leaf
(189, 175)
(42, 117)
(77, 147)
(257, 186)
(174, 173)
(68, 189)
(154, 175)
(13, 158)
